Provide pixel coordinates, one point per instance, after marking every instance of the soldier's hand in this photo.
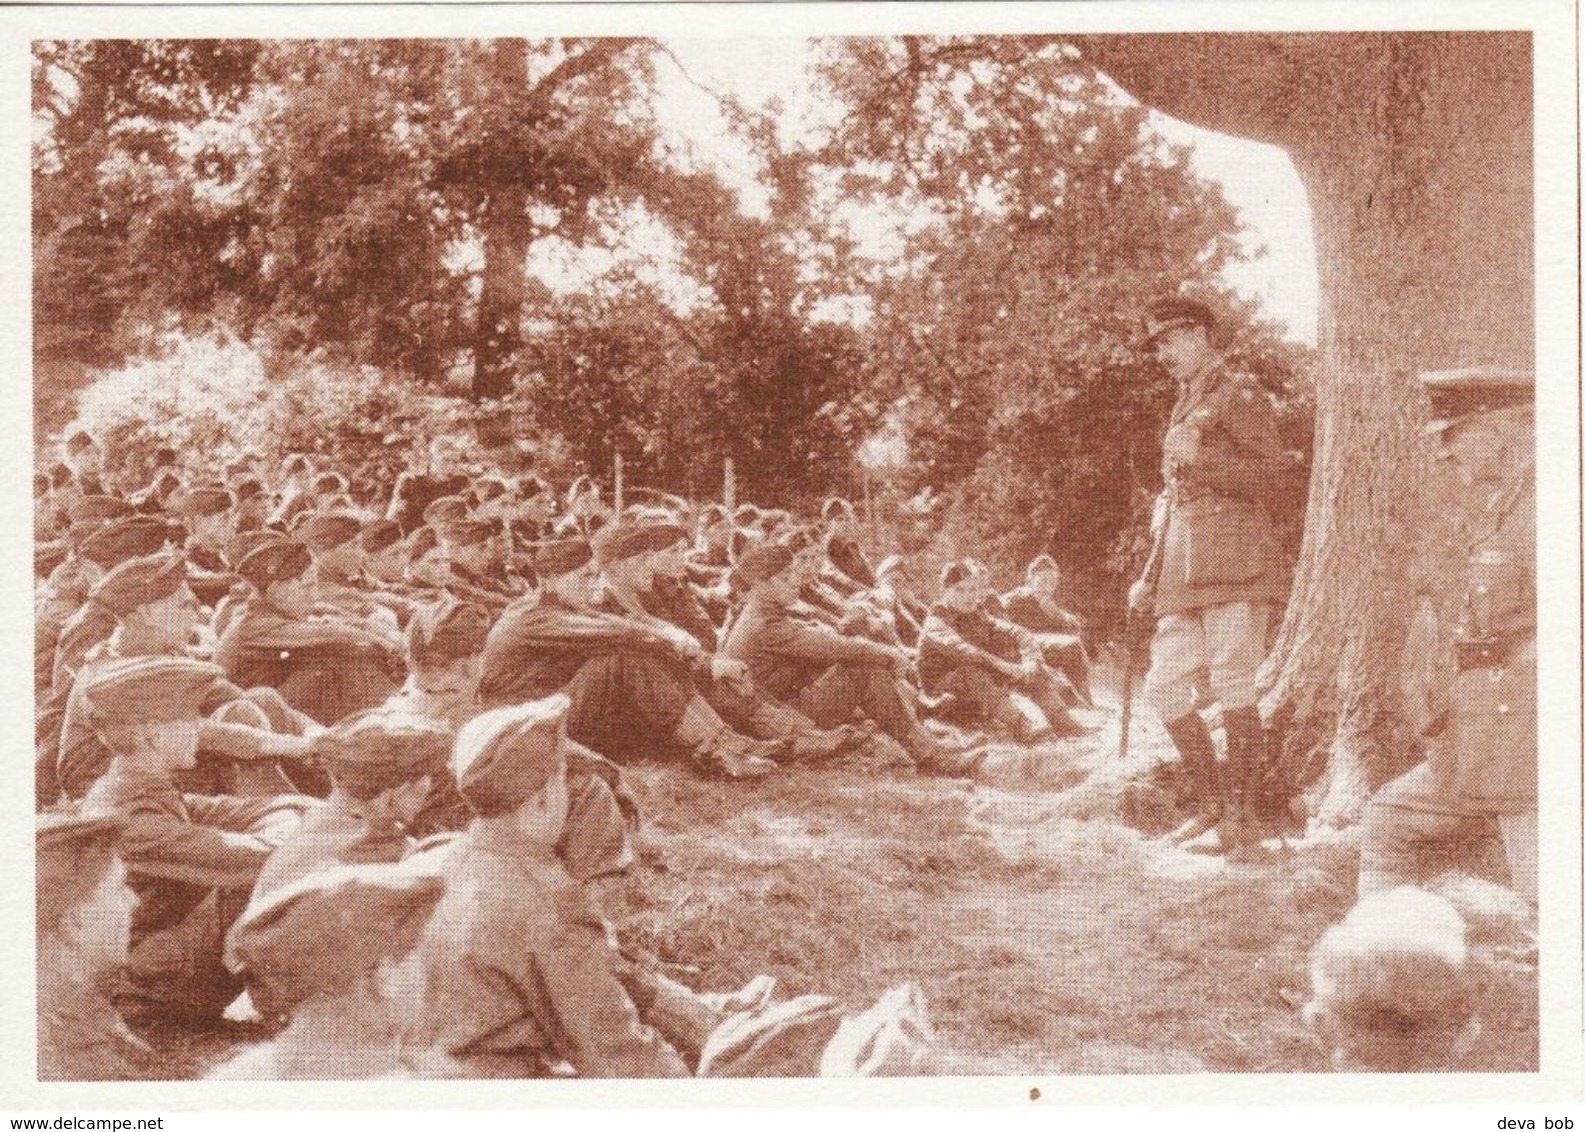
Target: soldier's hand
(730, 670)
(1141, 596)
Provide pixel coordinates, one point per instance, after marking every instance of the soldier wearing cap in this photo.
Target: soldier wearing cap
(827, 675)
(206, 511)
(630, 678)
(80, 1037)
(334, 540)
(66, 588)
(967, 649)
(519, 972)
(415, 491)
(191, 859)
(476, 556)
(326, 665)
(1217, 575)
(153, 613)
(1479, 778)
(643, 560)
(251, 510)
(1060, 633)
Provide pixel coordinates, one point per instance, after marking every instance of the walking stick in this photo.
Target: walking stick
(1128, 687)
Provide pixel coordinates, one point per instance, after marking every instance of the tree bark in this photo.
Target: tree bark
(1416, 152)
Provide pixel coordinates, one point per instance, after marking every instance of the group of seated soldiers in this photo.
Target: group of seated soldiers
(258, 683)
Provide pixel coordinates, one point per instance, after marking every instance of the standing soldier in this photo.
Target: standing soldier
(1216, 576)
(1479, 777)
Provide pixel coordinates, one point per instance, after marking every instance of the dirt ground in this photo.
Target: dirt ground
(1047, 936)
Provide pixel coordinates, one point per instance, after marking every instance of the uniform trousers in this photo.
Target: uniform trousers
(1414, 830)
(627, 706)
(1207, 654)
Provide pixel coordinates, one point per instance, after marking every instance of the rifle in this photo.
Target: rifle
(1131, 624)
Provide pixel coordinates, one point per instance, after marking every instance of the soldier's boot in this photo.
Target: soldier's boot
(1245, 743)
(716, 749)
(816, 745)
(1197, 754)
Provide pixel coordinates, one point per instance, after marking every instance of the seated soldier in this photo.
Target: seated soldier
(80, 918)
(385, 568)
(325, 665)
(205, 510)
(251, 511)
(851, 571)
(415, 491)
(427, 570)
(830, 677)
(294, 494)
(896, 593)
(476, 555)
(66, 589)
(191, 859)
(87, 626)
(334, 541)
(1059, 633)
(969, 651)
(518, 973)
(153, 612)
(155, 499)
(630, 680)
(445, 642)
(644, 565)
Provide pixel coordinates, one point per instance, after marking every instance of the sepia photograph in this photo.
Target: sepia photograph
(930, 554)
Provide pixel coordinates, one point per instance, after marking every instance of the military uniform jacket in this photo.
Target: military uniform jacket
(325, 667)
(675, 602)
(535, 652)
(1024, 607)
(786, 651)
(179, 847)
(519, 973)
(1482, 741)
(1220, 544)
(952, 639)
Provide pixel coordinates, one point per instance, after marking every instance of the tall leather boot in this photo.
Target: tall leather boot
(717, 749)
(1197, 753)
(1245, 741)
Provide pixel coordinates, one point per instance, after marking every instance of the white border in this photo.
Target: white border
(1557, 244)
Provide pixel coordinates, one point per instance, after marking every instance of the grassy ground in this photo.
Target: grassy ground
(1046, 934)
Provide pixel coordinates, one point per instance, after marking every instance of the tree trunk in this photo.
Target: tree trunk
(1416, 152)
(506, 233)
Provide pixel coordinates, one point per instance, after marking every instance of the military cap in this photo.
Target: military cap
(323, 531)
(836, 507)
(421, 542)
(78, 441)
(296, 464)
(139, 581)
(714, 513)
(529, 485)
(630, 538)
(762, 562)
(446, 631)
(561, 557)
(60, 475)
(746, 513)
(446, 509)
(799, 539)
(374, 750)
(88, 511)
(1039, 563)
(278, 560)
(247, 487)
(201, 500)
(1174, 312)
(149, 689)
(380, 534)
(249, 541)
(469, 532)
(954, 572)
(330, 483)
(41, 483)
(1459, 393)
(506, 756)
(132, 537)
(486, 488)
(166, 483)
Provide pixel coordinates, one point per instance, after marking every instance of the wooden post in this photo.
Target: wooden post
(729, 486)
(616, 489)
